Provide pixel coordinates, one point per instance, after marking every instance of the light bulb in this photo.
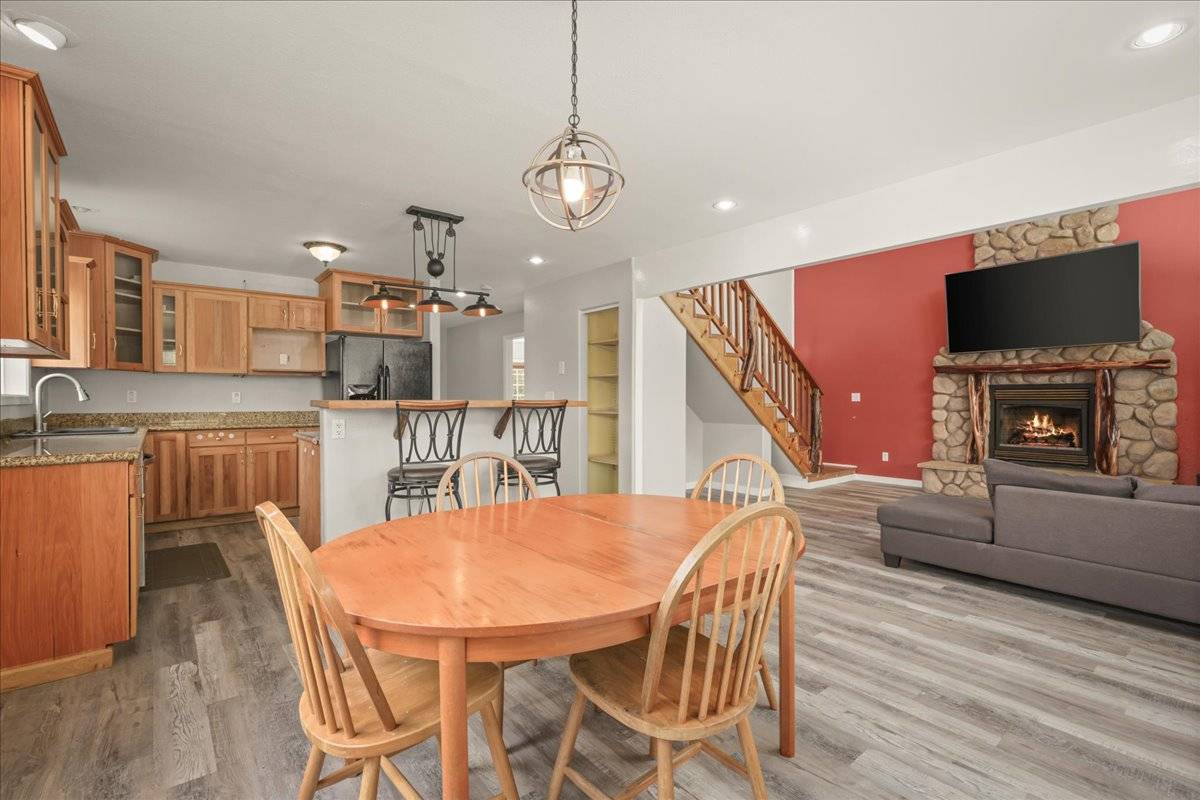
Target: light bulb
(1159, 34)
(573, 185)
(41, 34)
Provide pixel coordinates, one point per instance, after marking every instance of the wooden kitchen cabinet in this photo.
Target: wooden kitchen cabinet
(344, 292)
(167, 476)
(272, 473)
(69, 574)
(268, 312)
(217, 332)
(217, 480)
(32, 259)
(80, 345)
(306, 315)
(309, 458)
(170, 316)
(120, 309)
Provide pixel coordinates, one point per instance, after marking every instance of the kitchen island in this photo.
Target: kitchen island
(358, 447)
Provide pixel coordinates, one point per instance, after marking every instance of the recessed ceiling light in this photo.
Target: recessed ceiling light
(535, 260)
(725, 205)
(41, 33)
(1159, 34)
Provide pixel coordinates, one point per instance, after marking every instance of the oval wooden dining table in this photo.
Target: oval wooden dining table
(534, 579)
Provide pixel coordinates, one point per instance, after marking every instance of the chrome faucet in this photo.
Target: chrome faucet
(39, 419)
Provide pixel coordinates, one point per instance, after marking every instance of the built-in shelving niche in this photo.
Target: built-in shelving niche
(603, 385)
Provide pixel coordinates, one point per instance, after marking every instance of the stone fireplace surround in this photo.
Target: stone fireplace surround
(1145, 406)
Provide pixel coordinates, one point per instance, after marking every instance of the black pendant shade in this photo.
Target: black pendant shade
(384, 300)
(481, 308)
(436, 304)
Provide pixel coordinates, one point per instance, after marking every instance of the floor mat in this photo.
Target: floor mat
(179, 566)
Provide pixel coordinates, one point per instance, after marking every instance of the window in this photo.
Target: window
(514, 366)
(15, 380)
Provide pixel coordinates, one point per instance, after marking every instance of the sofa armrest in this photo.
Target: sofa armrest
(1160, 538)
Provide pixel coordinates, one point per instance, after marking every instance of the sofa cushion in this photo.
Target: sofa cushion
(1162, 538)
(967, 518)
(1008, 473)
(1166, 493)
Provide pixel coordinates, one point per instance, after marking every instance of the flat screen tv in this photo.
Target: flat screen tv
(1091, 297)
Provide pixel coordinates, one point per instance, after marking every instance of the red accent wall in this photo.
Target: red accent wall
(871, 324)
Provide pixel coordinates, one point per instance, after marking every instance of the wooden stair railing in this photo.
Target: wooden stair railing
(757, 359)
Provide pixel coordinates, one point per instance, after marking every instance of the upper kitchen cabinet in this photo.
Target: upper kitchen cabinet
(121, 302)
(344, 292)
(169, 317)
(217, 331)
(32, 259)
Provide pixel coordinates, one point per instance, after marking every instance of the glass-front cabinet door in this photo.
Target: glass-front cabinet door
(39, 327)
(169, 308)
(129, 314)
(349, 292)
(55, 258)
(403, 321)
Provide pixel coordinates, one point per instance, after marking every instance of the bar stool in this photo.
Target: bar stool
(537, 438)
(429, 435)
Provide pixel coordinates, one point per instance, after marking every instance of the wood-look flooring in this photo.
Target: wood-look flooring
(912, 683)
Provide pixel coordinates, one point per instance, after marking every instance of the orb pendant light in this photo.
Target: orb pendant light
(575, 178)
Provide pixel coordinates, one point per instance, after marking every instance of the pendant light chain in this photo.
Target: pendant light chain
(573, 120)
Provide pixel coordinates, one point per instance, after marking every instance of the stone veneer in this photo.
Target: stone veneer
(1145, 399)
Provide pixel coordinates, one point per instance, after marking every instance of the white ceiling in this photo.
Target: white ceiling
(228, 133)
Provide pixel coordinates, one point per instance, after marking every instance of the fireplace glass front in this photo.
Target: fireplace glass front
(1045, 424)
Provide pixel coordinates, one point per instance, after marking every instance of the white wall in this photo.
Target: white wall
(554, 333)
(472, 358)
(1147, 153)
(660, 407)
(226, 278)
(694, 463)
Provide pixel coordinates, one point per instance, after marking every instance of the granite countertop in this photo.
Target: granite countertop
(190, 420)
(309, 436)
(59, 450)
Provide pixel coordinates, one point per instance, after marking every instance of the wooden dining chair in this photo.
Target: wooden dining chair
(484, 478)
(348, 707)
(687, 683)
(740, 480)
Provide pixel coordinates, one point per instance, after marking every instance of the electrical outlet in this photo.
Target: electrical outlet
(131, 396)
(235, 398)
(339, 429)
(562, 368)
(856, 397)
(283, 359)
(884, 456)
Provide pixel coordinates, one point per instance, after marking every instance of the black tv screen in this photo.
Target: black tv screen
(1091, 297)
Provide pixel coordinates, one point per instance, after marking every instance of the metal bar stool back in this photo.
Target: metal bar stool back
(429, 438)
(537, 427)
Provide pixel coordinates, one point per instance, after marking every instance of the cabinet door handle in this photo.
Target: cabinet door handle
(93, 340)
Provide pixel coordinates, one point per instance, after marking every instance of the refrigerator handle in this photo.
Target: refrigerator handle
(387, 381)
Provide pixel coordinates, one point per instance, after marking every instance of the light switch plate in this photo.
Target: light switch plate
(283, 359)
(855, 397)
(131, 396)
(884, 456)
(562, 368)
(339, 429)
(236, 397)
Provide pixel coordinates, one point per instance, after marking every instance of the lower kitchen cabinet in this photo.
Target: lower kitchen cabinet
(69, 571)
(272, 474)
(217, 480)
(310, 492)
(166, 477)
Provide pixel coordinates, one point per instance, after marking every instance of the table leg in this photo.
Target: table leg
(452, 685)
(787, 667)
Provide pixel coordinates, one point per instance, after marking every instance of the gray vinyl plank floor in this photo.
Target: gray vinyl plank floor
(911, 683)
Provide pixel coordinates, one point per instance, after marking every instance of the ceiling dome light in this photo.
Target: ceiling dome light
(324, 251)
(481, 308)
(725, 205)
(436, 304)
(1159, 34)
(41, 33)
(575, 178)
(536, 260)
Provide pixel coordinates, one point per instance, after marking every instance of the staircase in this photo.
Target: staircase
(758, 362)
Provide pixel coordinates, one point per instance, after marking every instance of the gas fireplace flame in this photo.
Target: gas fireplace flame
(1041, 429)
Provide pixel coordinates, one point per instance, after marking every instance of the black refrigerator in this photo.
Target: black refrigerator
(377, 368)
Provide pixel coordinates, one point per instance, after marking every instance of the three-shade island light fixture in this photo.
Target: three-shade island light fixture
(438, 235)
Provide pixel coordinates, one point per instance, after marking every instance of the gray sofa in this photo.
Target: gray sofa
(1107, 539)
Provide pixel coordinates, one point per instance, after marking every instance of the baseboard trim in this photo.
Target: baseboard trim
(55, 669)
(798, 482)
(913, 482)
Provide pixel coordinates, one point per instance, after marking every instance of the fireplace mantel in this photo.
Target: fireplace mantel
(1063, 366)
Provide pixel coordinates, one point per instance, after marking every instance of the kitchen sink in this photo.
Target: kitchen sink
(112, 429)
